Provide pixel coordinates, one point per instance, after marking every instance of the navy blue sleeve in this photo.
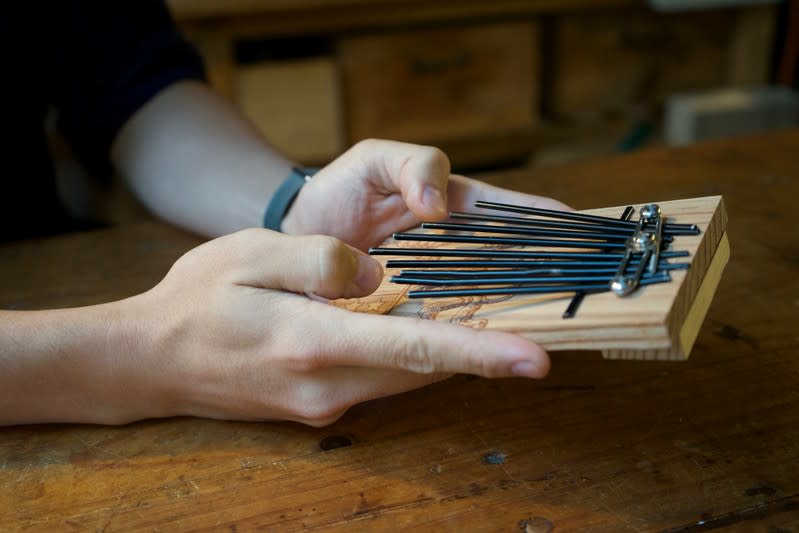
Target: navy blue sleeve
(114, 57)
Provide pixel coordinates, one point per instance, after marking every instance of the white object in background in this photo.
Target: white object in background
(721, 113)
(688, 5)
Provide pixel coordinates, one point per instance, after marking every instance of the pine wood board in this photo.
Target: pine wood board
(657, 322)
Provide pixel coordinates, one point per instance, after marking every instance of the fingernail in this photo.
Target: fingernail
(317, 298)
(526, 369)
(370, 273)
(433, 200)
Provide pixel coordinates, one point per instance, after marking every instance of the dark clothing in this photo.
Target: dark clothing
(94, 63)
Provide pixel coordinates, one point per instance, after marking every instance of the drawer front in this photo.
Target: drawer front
(431, 86)
(616, 61)
(294, 104)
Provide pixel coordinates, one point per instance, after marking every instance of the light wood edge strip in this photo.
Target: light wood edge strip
(694, 318)
(700, 263)
(696, 315)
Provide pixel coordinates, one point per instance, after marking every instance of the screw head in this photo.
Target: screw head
(651, 212)
(641, 241)
(622, 285)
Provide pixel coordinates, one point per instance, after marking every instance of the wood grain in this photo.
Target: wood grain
(709, 444)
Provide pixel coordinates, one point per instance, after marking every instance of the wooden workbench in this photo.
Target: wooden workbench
(598, 446)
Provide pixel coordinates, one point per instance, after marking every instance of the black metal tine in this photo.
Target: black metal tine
(551, 213)
(444, 263)
(515, 254)
(539, 222)
(507, 291)
(510, 291)
(552, 243)
(665, 265)
(692, 229)
(686, 229)
(468, 263)
(574, 304)
(669, 229)
(607, 241)
(513, 280)
(520, 230)
(628, 212)
(467, 274)
(579, 296)
(570, 215)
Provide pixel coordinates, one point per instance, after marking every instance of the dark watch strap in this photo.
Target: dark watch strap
(284, 197)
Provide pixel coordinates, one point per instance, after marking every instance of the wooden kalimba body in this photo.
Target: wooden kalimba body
(655, 322)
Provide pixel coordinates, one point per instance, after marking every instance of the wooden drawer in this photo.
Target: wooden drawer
(616, 61)
(295, 105)
(441, 85)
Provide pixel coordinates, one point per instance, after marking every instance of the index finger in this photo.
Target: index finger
(419, 173)
(429, 347)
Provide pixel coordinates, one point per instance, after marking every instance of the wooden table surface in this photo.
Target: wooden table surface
(711, 443)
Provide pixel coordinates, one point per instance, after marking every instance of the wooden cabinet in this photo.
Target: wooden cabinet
(295, 104)
(610, 61)
(441, 85)
(490, 82)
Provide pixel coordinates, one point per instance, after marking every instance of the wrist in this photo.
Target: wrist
(292, 221)
(137, 365)
(70, 365)
(284, 198)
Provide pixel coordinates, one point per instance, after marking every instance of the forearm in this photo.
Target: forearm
(70, 365)
(193, 160)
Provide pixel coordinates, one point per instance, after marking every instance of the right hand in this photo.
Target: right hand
(236, 330)
(378, 187)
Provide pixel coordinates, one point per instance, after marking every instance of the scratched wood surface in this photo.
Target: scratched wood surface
(711, 443)
(645, 325)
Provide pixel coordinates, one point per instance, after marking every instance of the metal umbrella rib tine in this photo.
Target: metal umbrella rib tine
(519, 230)
(510, 291)
(541, 273)
(516, 254)
(564, 265)
(551, 243)
(523, 280)
(582, 217)
(551, 213)
(586, 255)
(539, 222)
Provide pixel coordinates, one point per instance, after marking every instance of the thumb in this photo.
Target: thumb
(420, 173)
(311, 264)
(430, 347)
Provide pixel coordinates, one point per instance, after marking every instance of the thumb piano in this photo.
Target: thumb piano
(601, 280)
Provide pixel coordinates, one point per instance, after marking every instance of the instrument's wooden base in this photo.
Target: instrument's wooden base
(657, 322)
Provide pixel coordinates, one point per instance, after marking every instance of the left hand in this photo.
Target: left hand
(379, 187)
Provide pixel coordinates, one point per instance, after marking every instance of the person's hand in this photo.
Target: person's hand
(239, 329)
(379, 187)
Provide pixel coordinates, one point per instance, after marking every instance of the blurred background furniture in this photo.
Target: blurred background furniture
(494, 84)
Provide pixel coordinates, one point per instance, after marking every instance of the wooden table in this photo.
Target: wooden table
(598, 446)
